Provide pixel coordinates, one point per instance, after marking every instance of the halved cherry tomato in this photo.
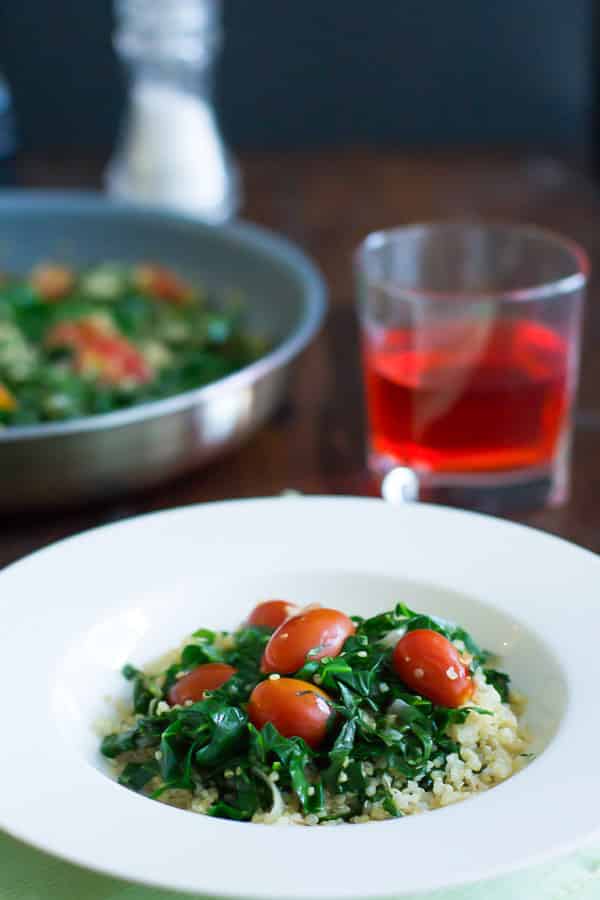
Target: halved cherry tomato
(7, 401)
(52, 281)
(162, 283)
(100, 350)
(207, 677)
(271, 613)
(321, 630)
(428, 663)
(296, 708)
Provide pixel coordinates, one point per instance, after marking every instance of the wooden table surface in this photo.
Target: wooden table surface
(327, 203)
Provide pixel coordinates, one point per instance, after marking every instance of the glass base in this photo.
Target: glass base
(522, 490)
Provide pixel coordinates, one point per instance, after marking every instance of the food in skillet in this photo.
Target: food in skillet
(80, 343)
(310, 716)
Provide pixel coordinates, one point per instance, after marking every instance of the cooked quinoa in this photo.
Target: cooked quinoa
(387, 750)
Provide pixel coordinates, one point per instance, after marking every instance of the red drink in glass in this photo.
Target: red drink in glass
(471, 337)
(491, 398)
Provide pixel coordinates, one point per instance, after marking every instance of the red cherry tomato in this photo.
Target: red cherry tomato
(192, 686)
(162, 283)
(52, 281)
(324, 630)
(428, 663)
(101, 351)
(271, 613)
(296, 708)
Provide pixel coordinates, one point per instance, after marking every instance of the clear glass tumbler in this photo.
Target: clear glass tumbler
(470, 341)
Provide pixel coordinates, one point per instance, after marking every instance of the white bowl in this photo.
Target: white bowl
(72, 614)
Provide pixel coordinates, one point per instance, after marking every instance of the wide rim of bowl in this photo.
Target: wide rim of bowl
(245, 233)
(500, 554)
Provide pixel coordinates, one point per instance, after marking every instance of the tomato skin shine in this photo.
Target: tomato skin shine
(429, 664)
(272, 613)
(207, 677)
(296, 708)
(325, 629)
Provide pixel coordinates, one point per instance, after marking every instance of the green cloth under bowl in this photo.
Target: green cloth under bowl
(27, 874)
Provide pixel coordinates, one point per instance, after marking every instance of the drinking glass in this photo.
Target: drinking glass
(470, 341)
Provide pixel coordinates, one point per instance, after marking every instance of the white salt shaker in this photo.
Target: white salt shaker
(170, 151)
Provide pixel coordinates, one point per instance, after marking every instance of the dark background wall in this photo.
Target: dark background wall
(297, 73)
